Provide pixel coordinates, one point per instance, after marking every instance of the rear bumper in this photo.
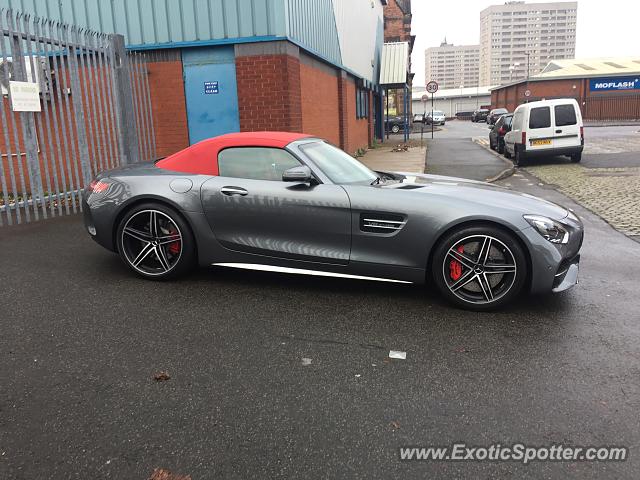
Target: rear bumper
(552, 152)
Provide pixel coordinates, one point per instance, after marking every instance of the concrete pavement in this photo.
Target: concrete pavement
(82, 338)
(383, 158)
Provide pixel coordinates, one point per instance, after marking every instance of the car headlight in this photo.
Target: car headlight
(553, 231)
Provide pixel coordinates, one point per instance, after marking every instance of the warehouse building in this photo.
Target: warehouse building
(607, 89)
(454, 102)
(219, 66)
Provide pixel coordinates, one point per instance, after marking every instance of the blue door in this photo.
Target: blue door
(210, 90)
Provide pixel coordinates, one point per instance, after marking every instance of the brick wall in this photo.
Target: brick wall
(512, 96)
(281, 87)
(268, 91)
(357, 129)
(166, 88)
(320, 101)
(397, 23)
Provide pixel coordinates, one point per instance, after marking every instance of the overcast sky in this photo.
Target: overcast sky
(606, 28)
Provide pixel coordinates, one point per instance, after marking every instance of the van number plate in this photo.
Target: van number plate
(541, 142)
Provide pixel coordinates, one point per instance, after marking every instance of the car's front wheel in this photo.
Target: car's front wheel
(395, 129)
(155, 242)
(479, 267)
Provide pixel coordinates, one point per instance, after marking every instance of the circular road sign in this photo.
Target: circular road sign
(432, 87)
(425, 98)
(527, 93)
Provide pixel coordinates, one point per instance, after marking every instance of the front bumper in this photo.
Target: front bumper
(567, 275)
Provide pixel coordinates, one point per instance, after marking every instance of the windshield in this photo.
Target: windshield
(500, 110)
(438, 112)
(339, 166)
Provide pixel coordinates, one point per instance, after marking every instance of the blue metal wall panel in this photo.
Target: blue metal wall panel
(153, 22)
(312, 23)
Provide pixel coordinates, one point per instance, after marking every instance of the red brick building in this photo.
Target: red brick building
(397, 28)
(605, 89)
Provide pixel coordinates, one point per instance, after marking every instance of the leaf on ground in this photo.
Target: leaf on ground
(162, 474)
(161, 377)
(395, 425)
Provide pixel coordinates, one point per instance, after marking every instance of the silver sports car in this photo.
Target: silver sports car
(293, 203)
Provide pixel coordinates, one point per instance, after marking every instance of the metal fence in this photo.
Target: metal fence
(612, 108)
(95, 114)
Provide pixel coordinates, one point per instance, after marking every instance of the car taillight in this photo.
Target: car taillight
(524, 138)
(582, 135)
(97, 186)
(501, 131)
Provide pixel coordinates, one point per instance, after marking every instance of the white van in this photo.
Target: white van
(545, 128)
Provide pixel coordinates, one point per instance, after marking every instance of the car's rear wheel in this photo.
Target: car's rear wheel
(479, 267)
(155, 242)
(500, 146)
(576, 157)
(395, 129)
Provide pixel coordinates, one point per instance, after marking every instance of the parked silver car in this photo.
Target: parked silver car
(293, 203)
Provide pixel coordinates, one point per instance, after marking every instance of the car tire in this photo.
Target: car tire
(576, 157)
(491, 147)
(500, 147)
(479, 287)
(159, 252)
(507, 154)
(395, 129)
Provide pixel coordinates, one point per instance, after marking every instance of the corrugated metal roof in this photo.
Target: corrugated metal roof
(395, 63)
(591, 67)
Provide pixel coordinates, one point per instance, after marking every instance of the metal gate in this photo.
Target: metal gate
(94, 114)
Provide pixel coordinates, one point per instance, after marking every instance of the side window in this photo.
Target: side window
(540, 117)
(255, 163)
(565, 115)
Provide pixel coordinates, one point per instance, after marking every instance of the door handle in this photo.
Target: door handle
(558, 131)
(231, 191)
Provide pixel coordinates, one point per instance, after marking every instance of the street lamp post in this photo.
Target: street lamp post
(512, 68)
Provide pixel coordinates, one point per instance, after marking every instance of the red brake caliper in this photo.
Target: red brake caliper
(174, 247)
(455, 267)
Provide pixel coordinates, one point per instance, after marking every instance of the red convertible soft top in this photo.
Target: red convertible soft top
(202, 158)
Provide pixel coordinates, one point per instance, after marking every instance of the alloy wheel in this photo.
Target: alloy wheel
(152, 242)
(479, 269)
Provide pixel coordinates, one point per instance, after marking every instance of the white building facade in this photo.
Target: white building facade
(520, 38)
(453, 65)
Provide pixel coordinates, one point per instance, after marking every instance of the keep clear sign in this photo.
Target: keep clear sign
(25, 96)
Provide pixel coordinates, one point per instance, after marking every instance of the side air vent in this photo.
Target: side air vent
(381, 223)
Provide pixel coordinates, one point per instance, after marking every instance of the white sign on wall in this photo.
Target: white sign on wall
(25, 96)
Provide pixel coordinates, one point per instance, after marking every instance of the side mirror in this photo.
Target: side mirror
(300, 174)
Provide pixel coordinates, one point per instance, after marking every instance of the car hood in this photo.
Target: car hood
(478, 192)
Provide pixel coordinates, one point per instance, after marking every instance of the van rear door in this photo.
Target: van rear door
(540, 131)
(567, 125)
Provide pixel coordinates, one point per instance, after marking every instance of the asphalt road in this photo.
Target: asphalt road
(81, 339)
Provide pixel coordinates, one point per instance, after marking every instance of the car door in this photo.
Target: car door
(514, 135)
(251, 210)
(567, 129)
(540, 131)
